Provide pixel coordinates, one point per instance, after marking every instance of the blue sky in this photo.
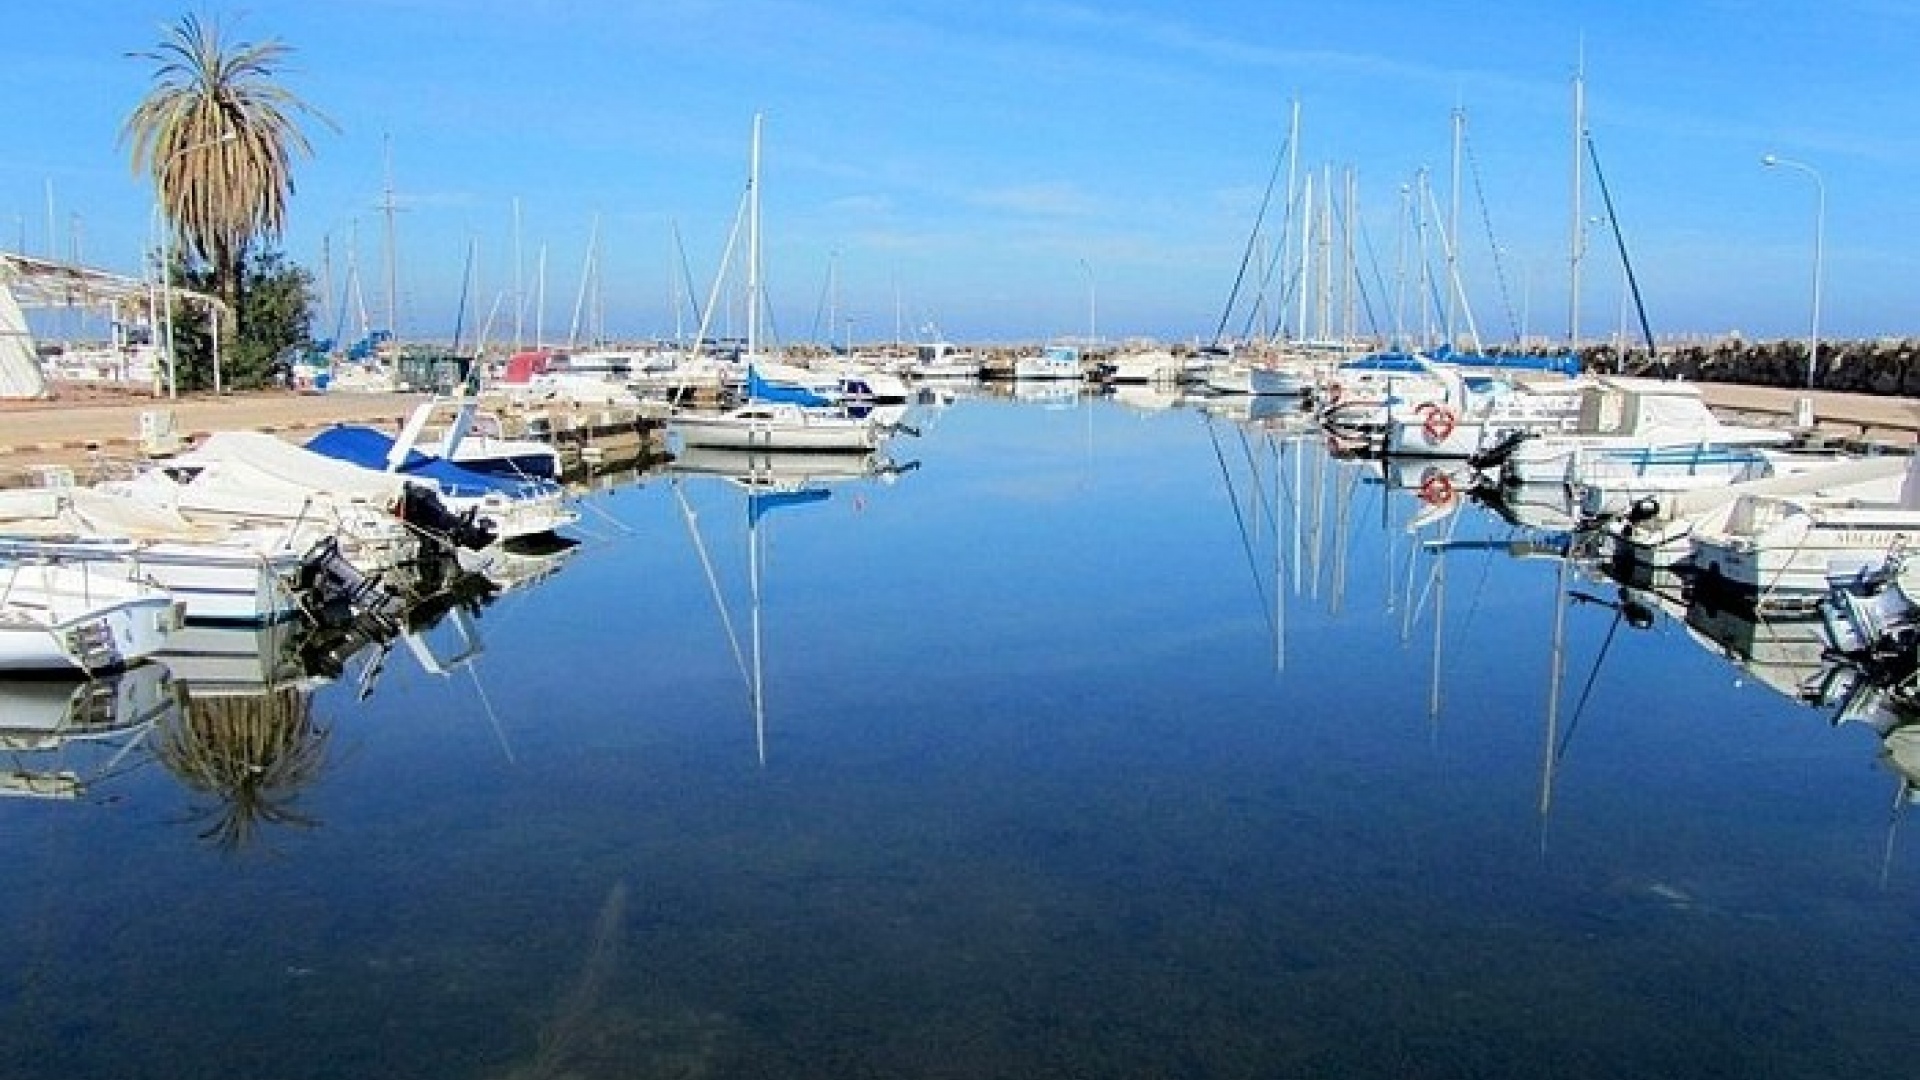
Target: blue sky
(1015, 171)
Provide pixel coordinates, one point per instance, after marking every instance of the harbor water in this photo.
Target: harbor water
(1077, 737)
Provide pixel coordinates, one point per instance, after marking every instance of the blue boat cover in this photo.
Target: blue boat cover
(1565, 363)
(1386, 361)
(759, 389)
(759, 502)
(368, 448)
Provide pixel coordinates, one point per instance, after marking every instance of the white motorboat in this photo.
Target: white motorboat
(1052, 362)
(238, 575)
(1260, 373)
(242, 478)
(1613, 482)
(1145, 367)
(943, 360)
(1783, 552)
(475, 440)
(510, 508)
(1657, 529)
(77, 618)
(1647, 424)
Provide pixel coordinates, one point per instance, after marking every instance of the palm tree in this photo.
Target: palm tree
(217, 135)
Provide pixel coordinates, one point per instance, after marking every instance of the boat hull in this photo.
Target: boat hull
(57, 618)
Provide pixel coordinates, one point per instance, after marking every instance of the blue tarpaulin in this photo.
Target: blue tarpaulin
(760, 502)
(759, 389)
(369, 448)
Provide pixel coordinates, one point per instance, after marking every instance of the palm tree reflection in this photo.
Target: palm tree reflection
(253, 755)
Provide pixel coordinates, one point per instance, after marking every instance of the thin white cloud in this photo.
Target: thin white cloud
(1057, 198)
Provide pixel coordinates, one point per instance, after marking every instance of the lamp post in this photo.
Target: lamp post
(1819, 243)
(166, 251)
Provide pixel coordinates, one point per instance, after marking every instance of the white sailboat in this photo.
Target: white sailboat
(770, 482)
(773, 418)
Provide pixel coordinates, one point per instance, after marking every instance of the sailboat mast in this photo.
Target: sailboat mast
(1286, 226)
(1453, 220)
(1306, 252)
(326, 280)
(588, 277)
(753, 582)
(753, 243)
(393, 257)
(1576, 227)
(519, 282)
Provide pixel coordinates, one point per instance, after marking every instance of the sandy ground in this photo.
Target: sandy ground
(77, 424)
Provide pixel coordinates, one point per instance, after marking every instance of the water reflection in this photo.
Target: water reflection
(61, 739)
(228, 711)
(1143, 722)
(768, 481)
(253, 756)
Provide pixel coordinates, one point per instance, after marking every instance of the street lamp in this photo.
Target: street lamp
(1819, 238)
(166, 252)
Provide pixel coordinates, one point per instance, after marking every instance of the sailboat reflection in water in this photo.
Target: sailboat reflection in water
(771, 480)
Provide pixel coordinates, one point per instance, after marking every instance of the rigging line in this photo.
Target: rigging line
(1455, 289)
(1353, 277)
(1580, 706)
(1426, 590)
(1267, 514)
(1620, 241)
(1253, 237)
(1380, 282)
(602, 512)
(1287, 495)
(1900, 800)
(686, 273)
(1486, 571)
(493, 718)
(113, 763)
(713, 582)
(726, 258)
(1246, 544)
(1486, 221)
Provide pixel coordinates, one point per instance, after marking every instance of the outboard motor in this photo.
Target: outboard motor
(1643, 510)
(421, 508)
(335, 591)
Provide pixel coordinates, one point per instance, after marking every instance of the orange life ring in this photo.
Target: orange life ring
(1436, 488)
(1438, 424)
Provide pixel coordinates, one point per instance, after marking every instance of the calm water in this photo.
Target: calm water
(1105, 742)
